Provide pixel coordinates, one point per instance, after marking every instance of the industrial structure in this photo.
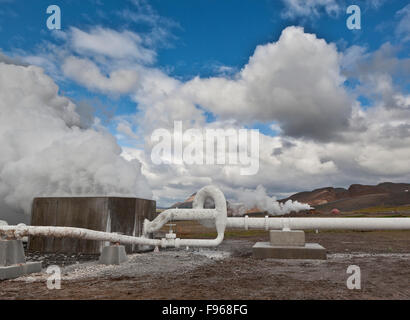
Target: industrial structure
(109, 214)
(286, 235)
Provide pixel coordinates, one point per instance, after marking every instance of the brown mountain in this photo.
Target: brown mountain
(356, 197)
(187, 204)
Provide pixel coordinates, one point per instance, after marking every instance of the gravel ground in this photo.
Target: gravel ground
(151, 263)
(230, 272)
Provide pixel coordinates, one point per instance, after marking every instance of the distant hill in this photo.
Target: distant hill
(186, 204)
(356, 197)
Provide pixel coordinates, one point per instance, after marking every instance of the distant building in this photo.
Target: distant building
(335, 211)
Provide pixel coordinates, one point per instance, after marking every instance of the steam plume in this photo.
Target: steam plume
(250, 199)
(47, 150)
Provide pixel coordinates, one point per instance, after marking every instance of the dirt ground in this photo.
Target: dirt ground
(230, 272)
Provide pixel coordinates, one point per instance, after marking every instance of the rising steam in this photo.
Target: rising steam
(47, 150)
(258, 199)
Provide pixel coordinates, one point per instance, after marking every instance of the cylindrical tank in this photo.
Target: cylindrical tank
(109, 214)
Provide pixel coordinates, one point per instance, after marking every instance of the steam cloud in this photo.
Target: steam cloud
(258, 198)
(48, 149)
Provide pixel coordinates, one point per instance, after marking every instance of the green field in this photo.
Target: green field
(381, 209)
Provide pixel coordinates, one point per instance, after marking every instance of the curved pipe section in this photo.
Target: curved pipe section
(217, 216)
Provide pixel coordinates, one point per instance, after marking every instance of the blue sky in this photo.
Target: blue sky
(203, 34)
(208, 31)
(317, 94)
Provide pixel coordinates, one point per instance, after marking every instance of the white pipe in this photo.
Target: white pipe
(214, 217)
(319, 223)
(22, 230)
(17, 232)
(217, 216)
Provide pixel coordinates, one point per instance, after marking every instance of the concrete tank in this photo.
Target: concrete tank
(109, 214)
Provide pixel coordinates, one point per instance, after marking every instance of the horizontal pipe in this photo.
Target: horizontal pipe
(17, 232)
(192, 242)
(20, 231)
(268, 223)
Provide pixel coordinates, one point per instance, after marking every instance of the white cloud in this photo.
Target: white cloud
(295, 85)
(403, 27)
(160, 28)
(309, 8)
(125, 128)
(312, 9)
(380, 74)
(402, 100)
(295, 82)
(375, 4)
(111, 43)
(309, 71)
(87, 73)
(378, 152)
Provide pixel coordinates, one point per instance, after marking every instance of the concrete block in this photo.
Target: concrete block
(11, 252)
(287, 238)
(18, 270)
(264, 250)
(13, 262)
(114, 254)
